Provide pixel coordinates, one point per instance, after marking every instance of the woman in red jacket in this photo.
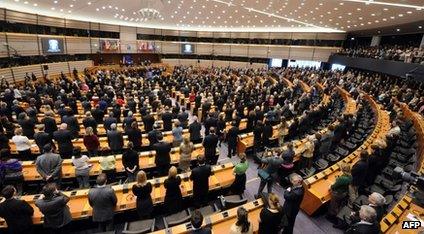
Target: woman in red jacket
(91, 142)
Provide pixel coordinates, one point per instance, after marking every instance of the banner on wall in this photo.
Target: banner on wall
(52, 45)
(146, 46)
(109, 45)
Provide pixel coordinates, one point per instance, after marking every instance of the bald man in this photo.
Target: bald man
(63, 138)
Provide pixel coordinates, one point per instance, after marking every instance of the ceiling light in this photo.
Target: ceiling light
(35, 4)
(55, 2)
(420, 27)
(25, 2)
(89, 3)
(398, 29)
(400, 15)
(409, 12)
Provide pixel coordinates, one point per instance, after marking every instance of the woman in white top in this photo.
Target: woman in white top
(82, 168)
(242, 226)
(23, 146)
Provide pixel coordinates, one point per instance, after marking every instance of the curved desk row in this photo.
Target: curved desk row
(317, 186)
(79, 207)
(406, 209)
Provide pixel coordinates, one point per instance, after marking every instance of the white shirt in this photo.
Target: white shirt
(21, 142)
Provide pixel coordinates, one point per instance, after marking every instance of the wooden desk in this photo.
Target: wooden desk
(222, 221)
(392, 222)
(222, 177)
(146, 161)
(317, 186)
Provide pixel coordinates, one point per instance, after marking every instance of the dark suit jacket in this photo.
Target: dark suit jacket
(148, 122)
(232, 135)
(41, 139)
(115, 140)
(183, 118)
(200, 177)
(194, 130)
(56, 212)
(64, 140)
(90, 122)
(50, 125)
(18, 215)
(292, 201)
(103, 200)
(134, 135)
(109, 121)
(167, 121)
(73, 124)
(363, 228)
(162, 153)
(152, 136)
(210, 142)
(359, 173)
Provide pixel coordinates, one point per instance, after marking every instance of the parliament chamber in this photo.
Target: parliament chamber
(212, 116)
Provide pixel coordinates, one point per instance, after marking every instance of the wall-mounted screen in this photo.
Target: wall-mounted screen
(336, 66)
(304, 63)
(52, 45)
(146, 46)
(127, 60)
(109, 45)
(275, 62)
(187, 49)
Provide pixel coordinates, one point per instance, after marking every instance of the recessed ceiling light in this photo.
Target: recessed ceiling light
(16, 0)
(55, 2)
(89, 3)
(409, 12)
(398, 29)
(35, 4)
(400, 15)
(420, 27)
(25, 2)
(52, 8)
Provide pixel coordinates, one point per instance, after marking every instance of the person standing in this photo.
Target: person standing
(63, 138)
(163, 157)
(239, 184)
(200, 177)
(82, 168)
(271, 216)
(196, 221)
(115, 139)
(186, 149)
(173, 197)
(103, 200)
(49, 165)
(273, 163)
(130, 161)
(135, 135)
(42, 138)
(142, 190)
(210, 142)
(53, 205)
(177, 133)
(194, 130)
(23, 145)
(242, 225)
(17, 213)
(232, 139)
(359, 176)
(91, 142)
(339, 192)
(293, 197)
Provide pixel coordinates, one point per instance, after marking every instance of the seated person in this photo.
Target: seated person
(196, 221)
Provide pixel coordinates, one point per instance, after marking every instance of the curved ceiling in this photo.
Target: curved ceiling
(235, 15)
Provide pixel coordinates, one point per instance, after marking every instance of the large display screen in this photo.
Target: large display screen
(336, 66)
(109, 45)
(275, 62)
(187, 48)
(304, 63)
(146, 46)
(52, 45)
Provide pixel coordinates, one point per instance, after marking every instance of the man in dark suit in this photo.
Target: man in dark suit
(267, 134)
(49, 122)
(200, 177)
(293, 197)
(232, 139)
(359, 175)
(167, 119)
(183, 117)
(367, 224)
(53, 205)
(210, 142)
(63, 137)
(210, 122)
(42, 138)
(17, 213)
(109, 120)
(72, 122)
(98, 114)
(103, 200)
(196, 221)
(257, 137)
(163, 157)
(115, 139)
(89, 121)
(148, 121)
(152, 135)
(194, 130)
